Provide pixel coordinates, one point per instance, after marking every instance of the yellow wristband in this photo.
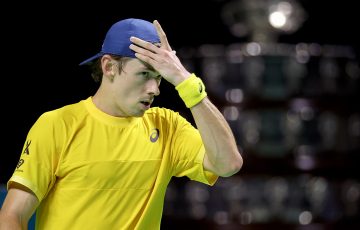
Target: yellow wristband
(191, 91)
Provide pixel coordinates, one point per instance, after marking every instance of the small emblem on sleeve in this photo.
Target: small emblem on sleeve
(154, 135)
(26, 150)
(21, 162)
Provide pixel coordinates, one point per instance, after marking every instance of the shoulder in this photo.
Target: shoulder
(66, 113)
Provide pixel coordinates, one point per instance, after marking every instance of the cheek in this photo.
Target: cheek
(131, 93)
(129, 88)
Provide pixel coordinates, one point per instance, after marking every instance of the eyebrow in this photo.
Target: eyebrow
(148, 66)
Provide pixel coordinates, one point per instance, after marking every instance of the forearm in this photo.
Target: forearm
(222, 155)
(10, 223)
(19, 204)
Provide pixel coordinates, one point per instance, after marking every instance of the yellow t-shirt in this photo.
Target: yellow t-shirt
(91, 170)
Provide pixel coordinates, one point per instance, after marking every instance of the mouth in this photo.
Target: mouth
(146, 103)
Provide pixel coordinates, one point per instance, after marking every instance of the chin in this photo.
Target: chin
(138, 114)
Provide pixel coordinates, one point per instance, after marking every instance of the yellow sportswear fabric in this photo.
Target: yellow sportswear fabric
(91, 170)
(191, 91)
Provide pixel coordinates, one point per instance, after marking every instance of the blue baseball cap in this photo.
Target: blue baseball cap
(117, 40)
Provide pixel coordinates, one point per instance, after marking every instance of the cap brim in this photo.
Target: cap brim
(91, 59)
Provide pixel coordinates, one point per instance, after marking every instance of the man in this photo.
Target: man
(105, 162)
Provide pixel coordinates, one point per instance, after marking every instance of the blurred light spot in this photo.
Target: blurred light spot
(245, 218)
(239, 29)
(286, 15)
(304, 158)
(315, 49)
(302, 56)
(305, 218)
(354, 125)
(329, 68)
(353, 194)
(213, 70)
(231, 113)
(198, 211)
(352, 69)
(277, 19)
(253, 49)
(302, 53)
(251, 128)
(235, 54)
(221, 217)
(351, 191)
(196, 193)
(293, 121)
(307, 113)
(252, 136)
(234, 95)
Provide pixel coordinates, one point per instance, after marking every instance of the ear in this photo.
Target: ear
(107, 66)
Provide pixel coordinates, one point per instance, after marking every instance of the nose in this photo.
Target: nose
(152, 87)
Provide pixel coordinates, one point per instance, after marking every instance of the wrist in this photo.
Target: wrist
(182, 77)
(191, 90)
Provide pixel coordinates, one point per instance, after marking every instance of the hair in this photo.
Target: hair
(96, 70)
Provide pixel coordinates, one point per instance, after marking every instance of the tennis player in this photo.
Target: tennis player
(105, 162)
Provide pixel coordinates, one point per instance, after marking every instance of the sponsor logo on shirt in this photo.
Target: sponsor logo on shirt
(26, 150)
(154, 135)
(21, 162)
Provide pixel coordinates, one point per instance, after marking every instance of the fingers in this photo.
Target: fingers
(144, 44)
(143, 52)
(151, 47)
(163, 39)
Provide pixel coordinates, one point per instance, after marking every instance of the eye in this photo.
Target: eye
(145, 74)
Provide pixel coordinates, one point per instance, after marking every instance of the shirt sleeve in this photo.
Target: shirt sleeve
(37, 165)
(188, 153)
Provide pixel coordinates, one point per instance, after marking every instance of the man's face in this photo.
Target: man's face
(134, 88)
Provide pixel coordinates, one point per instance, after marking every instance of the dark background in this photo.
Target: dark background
(42, 45)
